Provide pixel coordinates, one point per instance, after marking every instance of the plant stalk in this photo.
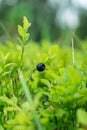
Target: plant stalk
(73, 57)
(22, 53)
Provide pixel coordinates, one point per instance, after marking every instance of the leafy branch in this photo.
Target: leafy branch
(24, 36)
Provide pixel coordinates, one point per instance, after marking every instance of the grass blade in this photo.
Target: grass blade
(29, 98)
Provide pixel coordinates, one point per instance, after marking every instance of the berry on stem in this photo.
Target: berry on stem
(40, 66)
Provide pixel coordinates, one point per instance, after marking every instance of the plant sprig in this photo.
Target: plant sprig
(24, 36)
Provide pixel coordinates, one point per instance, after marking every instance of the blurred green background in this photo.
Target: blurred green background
(51, 19)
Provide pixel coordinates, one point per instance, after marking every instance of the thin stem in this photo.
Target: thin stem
(79, 42)
(73, 58)
(22, 53)
(3, 27)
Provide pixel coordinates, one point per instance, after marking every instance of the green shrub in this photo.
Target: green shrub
(43, 100)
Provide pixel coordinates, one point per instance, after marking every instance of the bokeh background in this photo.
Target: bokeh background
(51, 19)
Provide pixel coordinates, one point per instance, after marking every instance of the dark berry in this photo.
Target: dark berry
(44, 100)
(40, 66)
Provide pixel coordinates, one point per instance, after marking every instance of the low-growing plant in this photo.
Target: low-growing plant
(40, 87)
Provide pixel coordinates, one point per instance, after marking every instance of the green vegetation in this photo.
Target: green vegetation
(37, 98)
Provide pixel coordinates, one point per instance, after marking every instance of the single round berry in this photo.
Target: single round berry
(40, 66)
(45, 100)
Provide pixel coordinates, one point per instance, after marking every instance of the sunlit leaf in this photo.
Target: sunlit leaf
(53, 51)
(26, 24)
(74, 75)
(21, 31)
(82, 116)
(46, 82)
(44, 57)
(1, 128)
(20, 41)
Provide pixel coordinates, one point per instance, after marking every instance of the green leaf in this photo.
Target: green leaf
(53, 51)
(6, 56)
(82, 116)
(44, 120)
(52, 125)
(10, 109)
(46, 82)
(25, 87)
(20, 41)
(9, 102)
(25, 106)
(6, 73)
(75, 77)
(14, 99)
(9, 64)
(19, 127)
(44, 57)
(26, 24)
(1, 128)
(52, 74)
(22, 118)
(27, 37)
(59, 112)
(21, 31)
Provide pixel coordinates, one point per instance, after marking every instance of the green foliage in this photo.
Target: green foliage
(62, 85)
(23, 32)
(82, 118)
